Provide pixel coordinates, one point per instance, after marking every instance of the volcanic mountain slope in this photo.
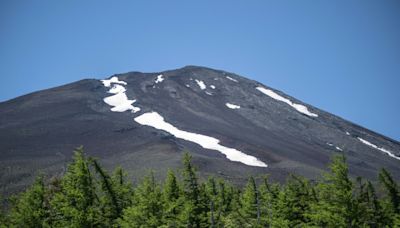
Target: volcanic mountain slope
(234, 127)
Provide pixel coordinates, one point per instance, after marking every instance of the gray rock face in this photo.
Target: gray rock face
(38, 131)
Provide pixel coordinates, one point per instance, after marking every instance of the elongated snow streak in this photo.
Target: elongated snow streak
(201, 84)
(153, 119)
(338, 148)
(378, 148)
(232, 79)
(300, 108)
(212, 86)
(159, 78)
(232, 106)
(119, 101)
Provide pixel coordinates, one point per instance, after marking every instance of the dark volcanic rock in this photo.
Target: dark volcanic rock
(38, 131)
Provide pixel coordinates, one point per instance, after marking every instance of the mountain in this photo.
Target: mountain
(234, 127)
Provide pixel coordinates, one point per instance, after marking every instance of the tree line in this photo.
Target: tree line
(89, 196)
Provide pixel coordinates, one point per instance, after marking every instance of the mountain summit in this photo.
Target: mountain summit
(234, 127)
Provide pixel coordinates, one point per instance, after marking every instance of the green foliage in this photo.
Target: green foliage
(391, 201)
(250, 205)
(335, 204)
(147, 209)
(77, 204)
(173, 200)
(30, 209)
(294, 201)
(88, 196)
(194, 213)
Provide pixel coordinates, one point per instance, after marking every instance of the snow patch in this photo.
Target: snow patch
(159, 79)
(212, 86)
(107, 82)
(232, 106)
(201, 84)
(117, 89)
(153, 119)
(347, 133)
(232, 79)
(187, 85)
(378, 148)
(338, 148)
(300, 108)
(119, 101)
(208, 93)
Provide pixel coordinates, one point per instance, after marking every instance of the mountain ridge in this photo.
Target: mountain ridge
(270, 129)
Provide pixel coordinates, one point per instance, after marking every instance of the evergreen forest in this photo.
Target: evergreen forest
(89, 196)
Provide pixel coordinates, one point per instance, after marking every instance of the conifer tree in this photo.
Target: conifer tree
(368, 208)
(269, 194)
(294, 201)
(148, 207)
(250, 204)
(234, 217)
(391, 201)
(172, 200)
(212, 195)
(109, 202)
(220, 197)
(122, 188)
(87, 196)
(77, 205)
(391, 189)
(194, 213)
(335, 206)
(29, 209)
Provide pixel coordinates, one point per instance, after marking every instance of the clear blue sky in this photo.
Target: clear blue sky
(341, 56)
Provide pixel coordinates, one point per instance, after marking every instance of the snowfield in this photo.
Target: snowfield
(153, 119)
(119, 101)
(300, 108)
(378, 148)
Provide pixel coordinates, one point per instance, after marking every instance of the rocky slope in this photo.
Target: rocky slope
(233, 126)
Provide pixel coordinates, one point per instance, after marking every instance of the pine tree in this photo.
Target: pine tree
(234, 218)
(335, 205)
(194, 213)
(250, 204)
(391, 201)
(269, 197)
(294, 201)
(122, 188)
(147, 210)
(87, 196)
(172, 200)
(77, 205)
(392, 190)
(29, 208)
(368, 208)
(109, 201)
